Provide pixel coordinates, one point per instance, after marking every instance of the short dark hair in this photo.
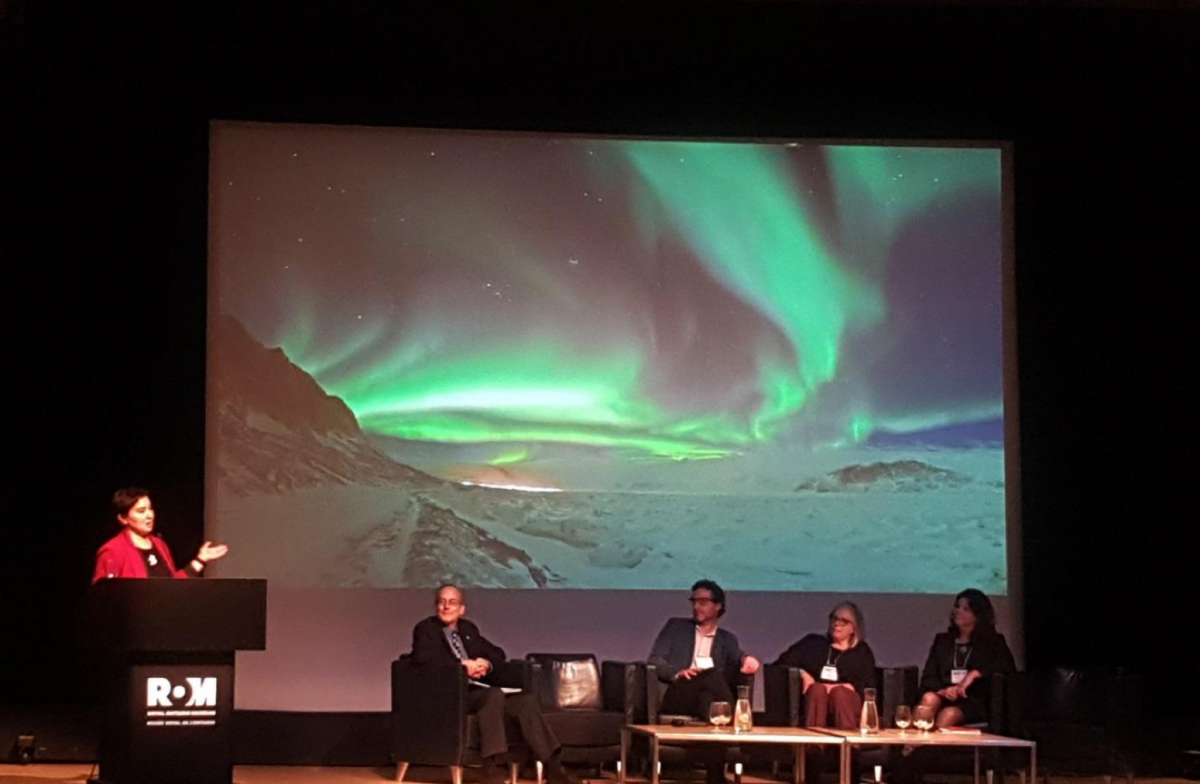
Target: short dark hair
(985, 614)
(124, 499)
(718, 593)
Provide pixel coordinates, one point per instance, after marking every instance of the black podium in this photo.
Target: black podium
(168, 650)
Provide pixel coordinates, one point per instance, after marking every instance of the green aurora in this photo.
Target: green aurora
(750, 221)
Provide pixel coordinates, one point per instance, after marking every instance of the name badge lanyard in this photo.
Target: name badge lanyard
(830, 672)
(958, 672)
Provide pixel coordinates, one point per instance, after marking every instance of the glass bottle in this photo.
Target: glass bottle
(869, 722)
(743, 720)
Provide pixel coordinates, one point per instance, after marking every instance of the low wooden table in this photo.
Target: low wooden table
(668, 733)
(893, 737)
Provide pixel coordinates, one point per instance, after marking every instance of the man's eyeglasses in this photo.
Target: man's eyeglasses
(701, 600)
(448, 602)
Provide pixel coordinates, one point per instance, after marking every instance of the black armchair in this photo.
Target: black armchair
(586, 703)
(656, 688)
(951, 760)
(998, 722)
(783, 695)
(1084, 720)
(430, 721)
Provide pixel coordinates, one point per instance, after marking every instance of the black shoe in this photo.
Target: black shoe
(557, 774)
(492, 772)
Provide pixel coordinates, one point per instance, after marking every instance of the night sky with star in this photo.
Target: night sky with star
(647, 298)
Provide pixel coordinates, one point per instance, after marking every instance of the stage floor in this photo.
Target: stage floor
(76, 773)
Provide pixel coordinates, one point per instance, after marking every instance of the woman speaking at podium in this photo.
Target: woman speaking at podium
(136, 551)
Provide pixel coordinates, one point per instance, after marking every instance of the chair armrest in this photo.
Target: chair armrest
(429, 713)
(741, 679)
(414, 684)
(1125, 703)
(514, 674)
(654, 691)
(623, 690)
(782, 695)
(997, 722)
(897, 686)
(1017, 686)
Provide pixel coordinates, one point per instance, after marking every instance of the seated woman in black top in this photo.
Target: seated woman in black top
(962, 660)
(835, 667)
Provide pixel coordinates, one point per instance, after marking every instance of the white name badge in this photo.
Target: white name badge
(958, 676)
(829, 673)
(704, 663)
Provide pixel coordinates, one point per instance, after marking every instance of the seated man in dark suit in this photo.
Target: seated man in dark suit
(697, 659)
(448, 637)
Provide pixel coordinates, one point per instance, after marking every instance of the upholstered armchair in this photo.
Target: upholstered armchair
(783, 695)
(586, 703)
(430, 721)
(656, 688)
(1085, 720)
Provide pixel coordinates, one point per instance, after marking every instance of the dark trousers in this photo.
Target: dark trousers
(694, 696)
(840, 707)
(490, 706)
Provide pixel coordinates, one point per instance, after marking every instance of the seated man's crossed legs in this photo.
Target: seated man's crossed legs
(490, 707)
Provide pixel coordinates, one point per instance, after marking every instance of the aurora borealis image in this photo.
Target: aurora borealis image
(552, 361)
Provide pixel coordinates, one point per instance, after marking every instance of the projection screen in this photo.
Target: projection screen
(574, 375)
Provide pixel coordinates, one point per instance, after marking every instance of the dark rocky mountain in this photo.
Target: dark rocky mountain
(277, 430)
(883, 476)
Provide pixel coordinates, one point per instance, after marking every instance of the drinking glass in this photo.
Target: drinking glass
(903, 717)
(720, 714)
(923, 718)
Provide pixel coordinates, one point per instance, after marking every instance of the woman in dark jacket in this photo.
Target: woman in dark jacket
(962, 660)
(835, 667)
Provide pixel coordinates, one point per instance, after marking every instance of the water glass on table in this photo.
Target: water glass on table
(904, 718)
(923, 718)
(720, 714)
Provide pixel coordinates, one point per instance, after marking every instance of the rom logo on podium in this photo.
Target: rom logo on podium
(199, 692)
(181, 700)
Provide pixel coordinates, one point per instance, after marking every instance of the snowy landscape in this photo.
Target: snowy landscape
(546, 361)
(305, 498)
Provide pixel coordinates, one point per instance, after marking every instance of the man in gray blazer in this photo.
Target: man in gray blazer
(699, 660)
